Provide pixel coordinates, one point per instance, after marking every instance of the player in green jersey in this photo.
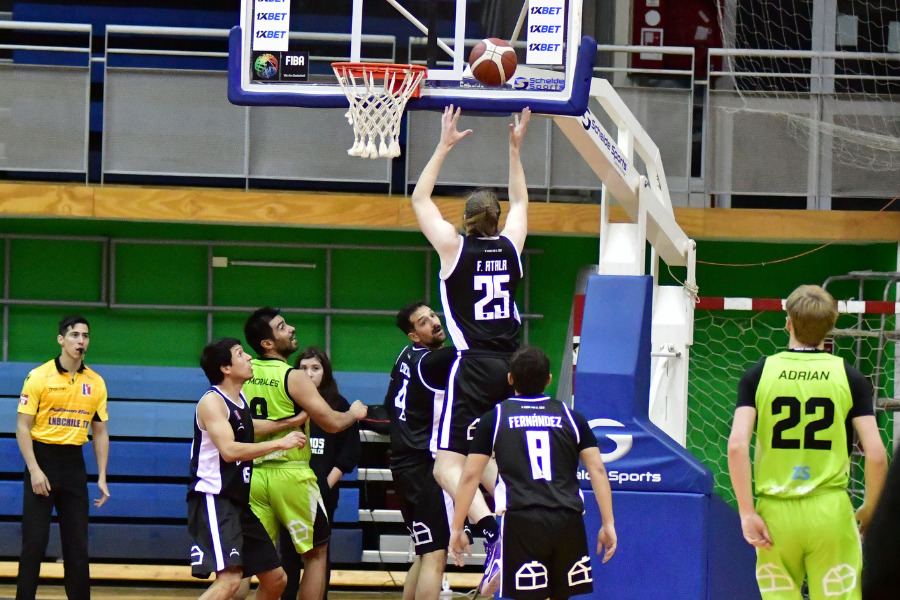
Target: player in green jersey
(283, 490)
(803, 404)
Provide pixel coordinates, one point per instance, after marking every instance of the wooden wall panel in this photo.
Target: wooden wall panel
(352, 211)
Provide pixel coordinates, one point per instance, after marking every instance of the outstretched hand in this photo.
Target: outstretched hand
(518, 128)
(449, 133)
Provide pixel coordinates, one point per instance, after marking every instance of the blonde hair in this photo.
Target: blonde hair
(482, 214)
(813, 312)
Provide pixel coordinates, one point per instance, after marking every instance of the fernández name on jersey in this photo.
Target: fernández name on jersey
(517, 421)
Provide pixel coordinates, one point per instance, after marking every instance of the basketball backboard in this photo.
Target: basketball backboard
(281, 55)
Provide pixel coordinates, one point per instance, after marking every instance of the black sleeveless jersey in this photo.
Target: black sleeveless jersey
(536, 442)
(414, 401)
(479, 295)
(210, 473)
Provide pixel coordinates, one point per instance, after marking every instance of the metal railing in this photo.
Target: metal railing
(165, 116)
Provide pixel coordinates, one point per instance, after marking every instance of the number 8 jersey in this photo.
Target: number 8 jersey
(479, 294)
(536, 441)
(805, 402)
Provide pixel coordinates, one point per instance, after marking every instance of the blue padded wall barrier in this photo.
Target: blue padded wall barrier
(677, 539)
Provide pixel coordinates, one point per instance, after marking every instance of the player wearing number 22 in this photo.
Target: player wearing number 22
(803, 403)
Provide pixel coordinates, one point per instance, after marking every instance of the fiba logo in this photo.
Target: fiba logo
(266, 66)
(623, 442)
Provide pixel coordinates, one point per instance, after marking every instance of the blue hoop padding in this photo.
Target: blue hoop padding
(575, 105)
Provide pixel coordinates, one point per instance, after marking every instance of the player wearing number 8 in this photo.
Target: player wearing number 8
(537, 442)
(802, 403)
(479, 274)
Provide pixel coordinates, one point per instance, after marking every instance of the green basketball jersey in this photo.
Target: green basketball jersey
(802, 403)
(267, 394)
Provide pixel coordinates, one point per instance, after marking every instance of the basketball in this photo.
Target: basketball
(493, 62)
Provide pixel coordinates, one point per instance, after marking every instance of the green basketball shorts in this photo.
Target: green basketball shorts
(290, 497)
(814, 537)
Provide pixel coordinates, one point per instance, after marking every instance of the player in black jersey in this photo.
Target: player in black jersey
(480, 273)
(537, 442)
(413, 402)
(227, 537)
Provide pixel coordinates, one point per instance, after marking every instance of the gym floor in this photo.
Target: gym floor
(104, 592)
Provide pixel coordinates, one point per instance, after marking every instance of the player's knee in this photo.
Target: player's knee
(274, 581)
(434, 561)
(229, 583)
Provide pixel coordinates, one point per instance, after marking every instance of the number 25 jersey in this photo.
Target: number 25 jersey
(805, 402)
(479, 295)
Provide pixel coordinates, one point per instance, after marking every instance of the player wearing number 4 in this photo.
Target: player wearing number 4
(802, 403)
(479, 276)
(413, 402)
(537, 442)
(284, 491)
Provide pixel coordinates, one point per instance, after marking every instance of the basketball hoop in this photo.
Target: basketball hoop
(377, 93)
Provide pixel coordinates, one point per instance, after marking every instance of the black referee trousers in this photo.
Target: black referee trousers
(64, 467)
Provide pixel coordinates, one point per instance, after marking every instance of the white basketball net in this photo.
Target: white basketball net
(377, 95)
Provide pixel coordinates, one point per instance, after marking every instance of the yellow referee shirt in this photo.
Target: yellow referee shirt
(63, 407)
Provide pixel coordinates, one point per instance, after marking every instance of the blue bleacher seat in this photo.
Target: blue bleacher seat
(151, 424)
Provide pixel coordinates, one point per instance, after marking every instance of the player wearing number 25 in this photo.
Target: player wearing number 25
(479, 274)
(802, 403)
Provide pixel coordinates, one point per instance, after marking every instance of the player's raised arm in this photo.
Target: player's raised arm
(212, 416)
(516, 227)
(440, 233)
(306, 396)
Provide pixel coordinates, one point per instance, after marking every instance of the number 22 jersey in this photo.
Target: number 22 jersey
(805, 402)
(479, 295)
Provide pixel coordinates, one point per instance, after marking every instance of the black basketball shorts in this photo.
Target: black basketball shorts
(478, 381)
(426, 508)
(545, 555)
(225, 534)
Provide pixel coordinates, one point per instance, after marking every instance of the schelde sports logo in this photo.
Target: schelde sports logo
(590, 123)
(548, 84)
(623, 441)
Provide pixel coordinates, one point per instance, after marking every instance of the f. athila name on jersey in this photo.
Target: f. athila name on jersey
(534, 421)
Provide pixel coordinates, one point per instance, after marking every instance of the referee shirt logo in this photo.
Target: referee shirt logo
(85, 389)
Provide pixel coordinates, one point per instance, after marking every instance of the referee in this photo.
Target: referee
(60, 400)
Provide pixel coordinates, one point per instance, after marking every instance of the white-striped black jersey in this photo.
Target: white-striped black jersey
(210, 473)
(414, 401)
(479, 295)
(536, 442)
